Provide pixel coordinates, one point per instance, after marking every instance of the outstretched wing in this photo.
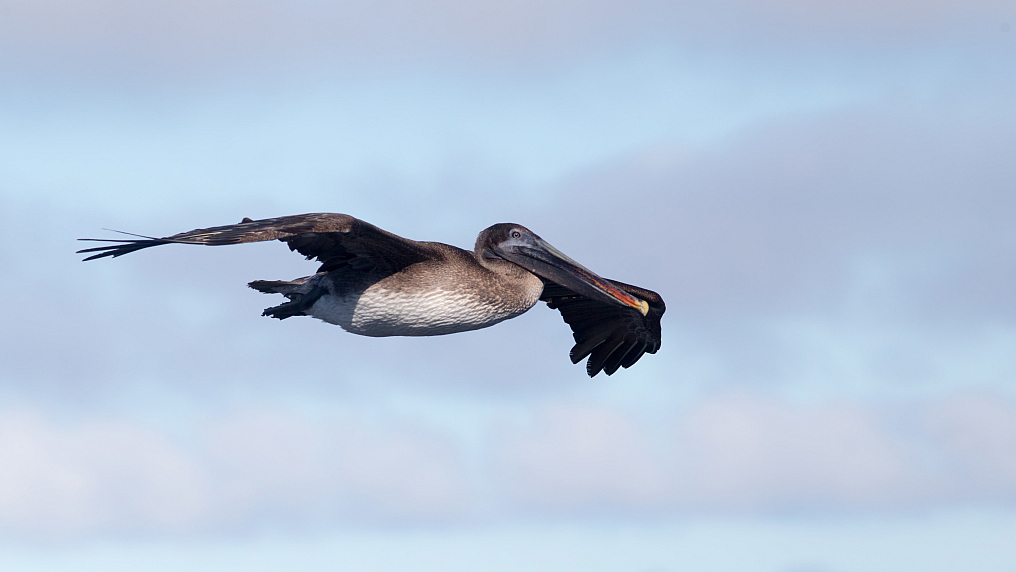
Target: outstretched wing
(612, 336)
(336, 240)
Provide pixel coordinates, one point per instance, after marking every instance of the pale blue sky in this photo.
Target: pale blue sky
(823, 195)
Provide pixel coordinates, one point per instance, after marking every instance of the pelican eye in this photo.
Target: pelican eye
(516, 234)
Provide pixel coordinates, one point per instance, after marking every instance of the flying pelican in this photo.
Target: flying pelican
(374, 283)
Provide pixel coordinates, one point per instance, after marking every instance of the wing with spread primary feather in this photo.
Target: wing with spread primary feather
(335, 240)
(612, 336)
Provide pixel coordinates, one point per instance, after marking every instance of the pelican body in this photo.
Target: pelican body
(374, 283)
(448, 293)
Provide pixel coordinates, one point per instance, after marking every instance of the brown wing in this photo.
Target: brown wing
(336, 240)
(612, 336)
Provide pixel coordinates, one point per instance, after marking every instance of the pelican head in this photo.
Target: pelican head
(523, 247)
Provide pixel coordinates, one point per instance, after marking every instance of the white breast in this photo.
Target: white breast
(383, 312)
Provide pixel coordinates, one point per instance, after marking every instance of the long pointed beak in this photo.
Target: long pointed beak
(539, 257)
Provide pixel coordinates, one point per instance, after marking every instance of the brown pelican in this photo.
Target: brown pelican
(374, 283)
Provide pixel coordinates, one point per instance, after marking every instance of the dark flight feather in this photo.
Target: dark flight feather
(335, 240)
(611, 336)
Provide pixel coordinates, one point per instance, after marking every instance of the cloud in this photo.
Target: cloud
(580, 457)
(979, 434)
(173, 34)
(722, 455)
(797, 216)
(744, 453)
(249, 469)
(95, 477)
(269, 467)
(749, 455)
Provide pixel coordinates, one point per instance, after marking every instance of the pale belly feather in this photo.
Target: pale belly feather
(383, 312)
